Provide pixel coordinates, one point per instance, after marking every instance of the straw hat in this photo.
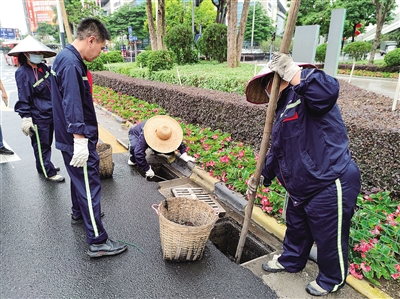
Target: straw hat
(163, 133)
(30, 44)
(255, 89)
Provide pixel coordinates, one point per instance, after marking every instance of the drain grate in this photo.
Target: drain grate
(200, 194)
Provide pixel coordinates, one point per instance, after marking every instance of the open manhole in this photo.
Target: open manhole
(225, 236)
(162, 173)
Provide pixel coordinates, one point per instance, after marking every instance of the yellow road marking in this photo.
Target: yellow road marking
(109, 138)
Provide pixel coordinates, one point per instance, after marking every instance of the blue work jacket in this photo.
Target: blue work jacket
(309, 143)
(73, 108)
(34, 97)
(139, 145)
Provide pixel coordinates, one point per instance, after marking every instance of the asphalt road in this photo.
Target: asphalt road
(44, 256)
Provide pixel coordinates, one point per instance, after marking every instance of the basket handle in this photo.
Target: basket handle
(155, 208)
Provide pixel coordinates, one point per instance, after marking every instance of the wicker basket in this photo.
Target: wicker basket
(106, 162)
(185, 225)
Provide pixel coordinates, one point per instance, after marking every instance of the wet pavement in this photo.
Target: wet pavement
(44, 256)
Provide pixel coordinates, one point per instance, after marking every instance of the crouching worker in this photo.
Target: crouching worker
(162, 134)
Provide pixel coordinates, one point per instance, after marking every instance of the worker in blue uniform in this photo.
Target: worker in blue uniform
(310, 157)
(76, 132)
(34, 102)
(162, 134)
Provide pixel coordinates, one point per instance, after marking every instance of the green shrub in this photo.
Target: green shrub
(179, 39)
(160, 60)
(143, 58)
(358, 50)
(321, 53)
(112, 57)
(393, 58)
(96, 65)
(213, 42)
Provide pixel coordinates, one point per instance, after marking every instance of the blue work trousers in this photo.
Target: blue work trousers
(325, 220)
(41, 142)
(85, 196)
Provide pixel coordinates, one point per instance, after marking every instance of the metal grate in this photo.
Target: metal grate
(200, 194)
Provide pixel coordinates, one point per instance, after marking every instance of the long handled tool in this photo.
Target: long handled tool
(287, 37)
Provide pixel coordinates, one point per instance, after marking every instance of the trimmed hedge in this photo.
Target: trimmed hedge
(373, 128)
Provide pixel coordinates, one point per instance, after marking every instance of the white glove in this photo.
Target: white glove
(81, 152)
(27, 126)
(185, 157)
(149, 173)
(252, 186)
(285, 67)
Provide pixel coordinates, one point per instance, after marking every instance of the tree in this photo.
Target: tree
(222, 6)
(45, 30)
(235, 41)
(357, 12)
(128, 15)
(313, 12)
(180, 13)
(262, 25)
(150, 23)
(383, 9)
(157, 33)
(76, 12)
(357, 50)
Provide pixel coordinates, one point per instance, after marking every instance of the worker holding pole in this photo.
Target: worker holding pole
(309, 155)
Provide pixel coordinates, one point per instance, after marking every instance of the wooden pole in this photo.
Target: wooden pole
(287, 38)
(65, 19)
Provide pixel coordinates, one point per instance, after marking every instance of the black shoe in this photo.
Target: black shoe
(109, 247)
(79, 220)
(5, 151)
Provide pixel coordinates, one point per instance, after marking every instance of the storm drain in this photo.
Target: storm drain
(162, 173)
(200, 194)
(225, 236)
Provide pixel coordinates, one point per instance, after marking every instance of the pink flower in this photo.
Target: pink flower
(395, 276)
(355, 272)
(228, 139)
(267, 209)
(196, 156)
(397, 267)
(241, 154)
(215, 137)
(376, 231)
(365, 268)
(224, 159)
(366, 197)
(188, 132)
(224, 178)
(210, 164)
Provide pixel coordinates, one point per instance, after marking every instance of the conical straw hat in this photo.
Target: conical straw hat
(163, 133)
(30, 44)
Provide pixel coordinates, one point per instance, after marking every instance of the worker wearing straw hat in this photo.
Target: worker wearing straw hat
(162, 134)
(34, 102)
(309, 155)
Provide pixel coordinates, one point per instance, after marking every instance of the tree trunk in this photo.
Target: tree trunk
(221, 6)
(383, 7)
(161, 25)
(150, 20)
(242, 28)
(232, 27)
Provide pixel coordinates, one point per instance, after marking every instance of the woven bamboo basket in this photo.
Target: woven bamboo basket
(106, 166)
(185, 225)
